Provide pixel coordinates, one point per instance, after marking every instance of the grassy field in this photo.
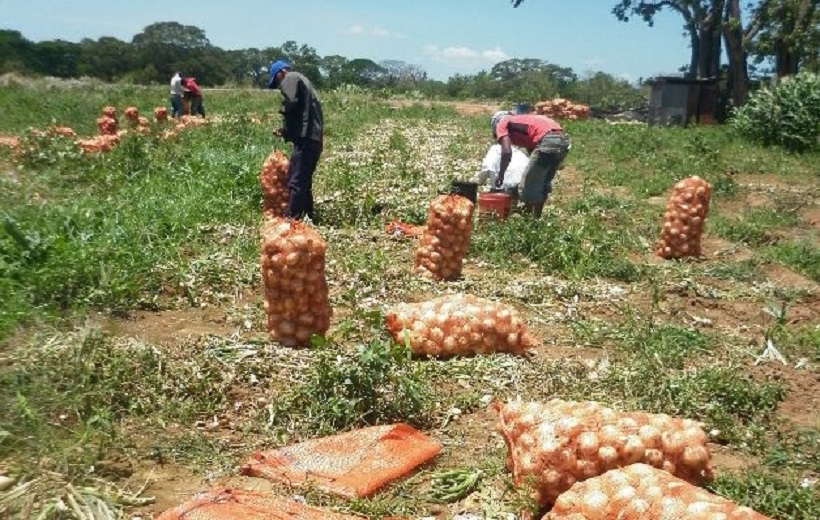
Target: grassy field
(133, 355)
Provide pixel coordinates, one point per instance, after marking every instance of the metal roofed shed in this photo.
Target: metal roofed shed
(680, 101)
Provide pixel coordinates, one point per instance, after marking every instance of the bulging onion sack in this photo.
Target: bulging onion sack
(132, 114)
(642, 492)
(560, 443)
(293, 272)
(444, 243)
(107, 125)
(274, 181)
(160, 114)
(458, 325)
(683, 220)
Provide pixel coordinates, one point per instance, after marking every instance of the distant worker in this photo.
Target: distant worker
(176, 94)
(194, 95)
(302, 125)
(547, 144)
(491, 165)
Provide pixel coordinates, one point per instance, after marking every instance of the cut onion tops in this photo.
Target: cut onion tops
(446, 239)
(458, 325)
(273, 178)
(558, 443)
(293, 273)
(642, 492)
(684, 218)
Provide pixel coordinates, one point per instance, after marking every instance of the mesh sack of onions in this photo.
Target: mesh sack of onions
(445, 241)
(683, 220)
(131, 114)
(559, 443)
(642, 492)
(273, 178)
(458, 325)
(107, 125)
(293, 273)
(160, 114)
(110, 111)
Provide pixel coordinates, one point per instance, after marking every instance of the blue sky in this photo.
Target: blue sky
(444, 37)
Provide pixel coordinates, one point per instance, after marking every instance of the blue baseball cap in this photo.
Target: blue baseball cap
(274, 69)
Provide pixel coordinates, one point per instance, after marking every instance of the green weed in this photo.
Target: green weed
(777, 497)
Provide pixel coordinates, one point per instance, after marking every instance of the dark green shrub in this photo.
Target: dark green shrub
(786, 115)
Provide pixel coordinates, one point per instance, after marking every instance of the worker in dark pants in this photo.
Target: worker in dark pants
(303, 126)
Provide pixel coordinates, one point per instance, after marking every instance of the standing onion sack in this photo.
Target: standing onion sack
(641, 492)
(559, 443)
(293, 273)
(458, 325)
(684, 218)
(273, 179)
(444, 243)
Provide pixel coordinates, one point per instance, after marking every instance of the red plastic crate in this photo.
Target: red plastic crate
(497, 203)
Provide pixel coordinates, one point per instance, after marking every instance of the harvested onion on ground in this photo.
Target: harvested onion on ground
(641, 492)
(562, 442)
(684, 218)
(446, 239)
(458, 325)
(273, 177)
(293, 273)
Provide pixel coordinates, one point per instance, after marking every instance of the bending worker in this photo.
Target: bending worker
(547, 145)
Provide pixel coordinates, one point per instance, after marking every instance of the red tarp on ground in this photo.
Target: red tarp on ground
(353, 464)
(234, 504)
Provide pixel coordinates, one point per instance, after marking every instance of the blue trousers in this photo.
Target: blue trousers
(176, 106)
(303, 161)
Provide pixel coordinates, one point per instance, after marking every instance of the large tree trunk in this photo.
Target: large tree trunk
(710, 41)
(694, 61)
(738, 63)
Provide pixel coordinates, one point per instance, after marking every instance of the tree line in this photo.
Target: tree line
(154, 54)
(781, 34)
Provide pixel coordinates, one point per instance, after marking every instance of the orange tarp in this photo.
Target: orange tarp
(353, 464)
(234, 504)
(397, 228)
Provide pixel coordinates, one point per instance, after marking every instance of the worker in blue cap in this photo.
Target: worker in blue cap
(303, 126)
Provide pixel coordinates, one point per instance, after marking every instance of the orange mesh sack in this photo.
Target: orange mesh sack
(160, 114)
(683, 221)
(445, 241)
(131, 114)
(274, 181)
(458, 325)
(110, 111)
(353, 464)
(234, 504)
(562, 442)
(107, 125)
(641, 492)
(293, 273)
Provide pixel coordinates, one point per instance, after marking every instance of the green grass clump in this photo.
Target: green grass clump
(577, 248)
(774, 496)
(378, 383)
(66, 397)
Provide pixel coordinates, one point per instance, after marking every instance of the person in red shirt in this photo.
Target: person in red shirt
(194, 95)
(547, 145)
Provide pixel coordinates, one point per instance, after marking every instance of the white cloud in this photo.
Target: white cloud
(457, 53)
(462, 56)
(375, 31)
(495, 55)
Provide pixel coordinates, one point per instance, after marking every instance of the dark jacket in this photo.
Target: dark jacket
(301, 109)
